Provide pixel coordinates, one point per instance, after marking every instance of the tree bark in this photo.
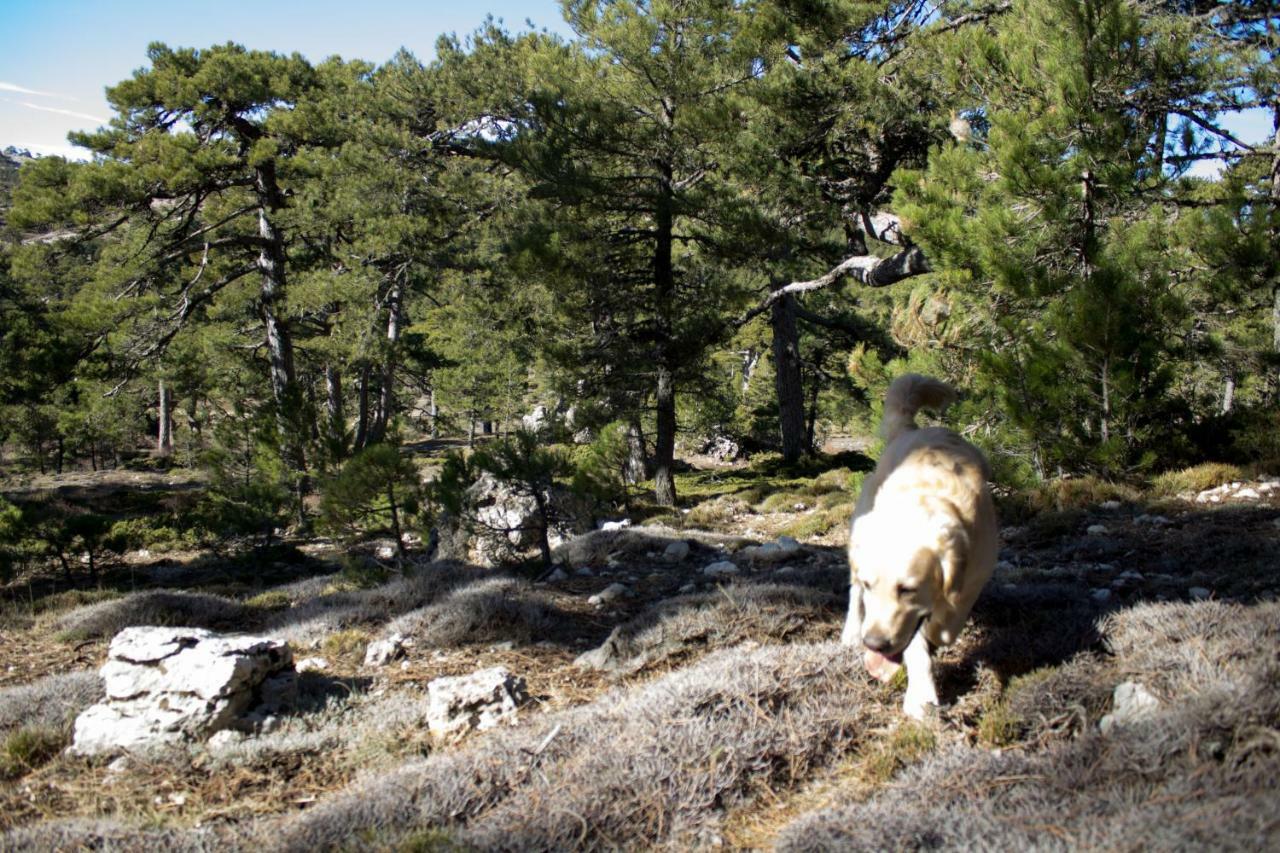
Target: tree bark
(1228, 394)
(637, 465)
(788, 381)
(335, 419)
(664, 442)
(362, 408)
(386, 395)
(435, 416)
(164, 437)
(284, 386)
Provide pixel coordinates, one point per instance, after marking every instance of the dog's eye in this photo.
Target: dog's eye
(904, 590)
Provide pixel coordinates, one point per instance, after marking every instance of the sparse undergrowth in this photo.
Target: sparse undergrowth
(729, 719)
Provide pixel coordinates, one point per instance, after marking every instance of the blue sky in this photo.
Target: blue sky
(57, 56)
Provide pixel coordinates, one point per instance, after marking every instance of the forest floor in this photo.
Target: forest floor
(713, 711)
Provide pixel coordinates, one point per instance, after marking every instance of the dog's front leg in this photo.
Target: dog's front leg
(921, 692)
(852, 633)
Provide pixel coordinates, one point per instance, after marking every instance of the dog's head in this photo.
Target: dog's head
(904, 564)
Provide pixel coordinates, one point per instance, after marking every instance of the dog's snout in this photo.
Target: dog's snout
(877, 643)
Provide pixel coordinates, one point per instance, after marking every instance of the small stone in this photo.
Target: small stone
(610, 593)
(1110, 506)
(383, 652)
(1100, 595)
(1004, 566)
(504, 646)
(481, 700)
(610, 526)
(788, 544)
(224, 740)
(1096, 530)
(688, 588)
(1199, 593)
(785, 570)
(584, 572)
(1153, 520)
(1248, 494)
(311, 665)
(558, 576)
(1131, 703)
(719, 568)
(676, 551)
(124, 763)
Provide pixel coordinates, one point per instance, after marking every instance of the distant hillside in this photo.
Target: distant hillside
(11, 160)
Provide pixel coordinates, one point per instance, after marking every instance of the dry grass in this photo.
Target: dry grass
(485, 611)
(1208, 475)
(52, 701)
(1205, 772)
(157, 607)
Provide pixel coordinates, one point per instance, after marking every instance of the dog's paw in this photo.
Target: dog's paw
(920, 707)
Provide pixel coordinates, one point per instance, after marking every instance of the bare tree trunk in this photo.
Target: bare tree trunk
(811, 422)
(386, 395)
(362, 408)
(750, 361)
(335, 418)
(1228, 394)
(1104, 421)
(664, 444)
(164, 437)
(435, 416)
(284, 385)
(637, 467)
(788, 381)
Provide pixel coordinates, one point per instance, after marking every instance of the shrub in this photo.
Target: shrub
(1197, 478)
(51, 702)
(377, 483)
(155, 607)
(26, 748)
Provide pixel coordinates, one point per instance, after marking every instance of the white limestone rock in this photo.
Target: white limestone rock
(168, 684)
(481, 700)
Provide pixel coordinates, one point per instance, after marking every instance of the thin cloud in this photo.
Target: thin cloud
(61, 112)
(23, 90)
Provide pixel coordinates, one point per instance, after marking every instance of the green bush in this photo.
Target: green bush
(377, 486)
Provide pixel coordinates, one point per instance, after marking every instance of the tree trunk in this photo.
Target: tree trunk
(811, 423)
(664, 443)
(1228, 394)
(284, 386)
(787, 379)
(362, 408)
(386, 395)
(164, 437)
(637, 466)
(335, 419)
(486, 427)
(435, 416)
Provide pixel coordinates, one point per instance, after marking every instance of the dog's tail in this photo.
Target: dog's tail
(909, 394)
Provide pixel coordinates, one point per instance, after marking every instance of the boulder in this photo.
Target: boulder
(676, 551)
(719, 568)
(481, 700)
(722, 448)
(610, 593)
(171, 684)
(501, 524)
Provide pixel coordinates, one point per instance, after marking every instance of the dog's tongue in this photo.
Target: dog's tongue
(881, 666)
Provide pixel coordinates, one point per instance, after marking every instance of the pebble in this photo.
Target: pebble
(1154, 520)
(676, 551)
(558, 575)
(1199, 593)
(1100, 595)
(1109, 505)
(584, 572)
(1096, 530)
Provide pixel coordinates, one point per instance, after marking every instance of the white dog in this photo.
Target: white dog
(923, 543)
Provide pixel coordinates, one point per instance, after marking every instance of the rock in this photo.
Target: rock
(383, 652)
(171, 684)
(1199, 593)
(502, 524)
(1153, 520)
(480, 701)
(785, 570)
(688, 589)
(788, 544)
(225, 739)
(676, 551)
(1100, 595)
(558, 576)
(609, 526)
(537, 421)
(612, 592)
(721, 448)
(504, 646)
(1110, 506)
(311, 665)
(1096, 530)
(1131, 703)
(584, 572)
(721, 567)
(124, 763)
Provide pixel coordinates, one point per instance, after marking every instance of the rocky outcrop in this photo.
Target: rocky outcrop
(502, 524)
(172, 684)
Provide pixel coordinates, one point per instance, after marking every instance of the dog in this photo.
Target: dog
(923, 542)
